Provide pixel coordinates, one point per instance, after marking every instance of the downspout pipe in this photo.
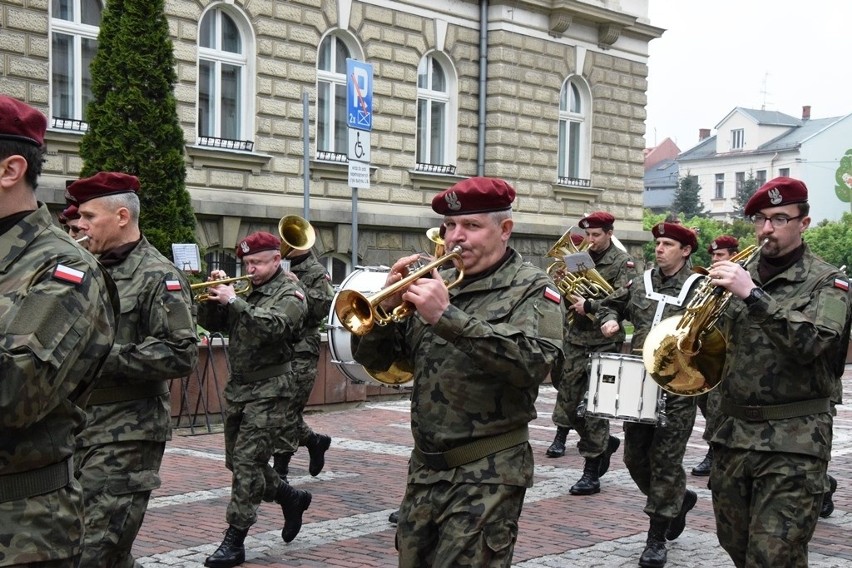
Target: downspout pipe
(483, 79)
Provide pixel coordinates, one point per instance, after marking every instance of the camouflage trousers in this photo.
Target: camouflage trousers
(252, 433)
(766, 505)
(304, 377)
(117, 480)
(64, 563)
(573, 384)
(654, 457)
(458, 524)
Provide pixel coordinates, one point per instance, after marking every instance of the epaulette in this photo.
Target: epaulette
(67, 274)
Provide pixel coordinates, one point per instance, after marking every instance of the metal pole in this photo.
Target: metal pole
(354, 227)
(306, 162)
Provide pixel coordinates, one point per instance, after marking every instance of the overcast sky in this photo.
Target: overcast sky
(720, 54)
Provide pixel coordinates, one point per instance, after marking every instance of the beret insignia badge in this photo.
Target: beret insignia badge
(775, 196)
(244, 245)
(452, 201)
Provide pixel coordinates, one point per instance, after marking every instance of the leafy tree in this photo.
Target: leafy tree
(745, 192)
(687, 199)
(832, 241)
(132, 119)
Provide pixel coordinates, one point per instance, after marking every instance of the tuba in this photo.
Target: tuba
(296, 234)
(586, 283)
(684, 354)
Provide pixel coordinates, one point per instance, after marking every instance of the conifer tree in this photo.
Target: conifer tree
(133, 125)
(687, 199)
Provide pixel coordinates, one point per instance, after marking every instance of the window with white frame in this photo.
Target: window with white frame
(224, 46)
(74, 26)
(737, 139)
(436, 86)
(574, 157)
(784, 172)
(720, 186)
(760, 177)
(332, 133)
(740, 180)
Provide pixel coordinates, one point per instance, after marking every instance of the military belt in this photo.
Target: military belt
(261, 374)
(138, 391)
(776, 411)
(474, 450)
(26, 484)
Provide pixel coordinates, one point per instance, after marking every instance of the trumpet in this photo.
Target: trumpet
(359, 313)
(296, 234)
(435, 234)
(243, 288)
(684, 354)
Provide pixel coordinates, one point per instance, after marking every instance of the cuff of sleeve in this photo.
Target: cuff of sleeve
(239, 305)
(589, 307)
(451, 324)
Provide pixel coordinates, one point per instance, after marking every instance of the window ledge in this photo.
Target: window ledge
(333, 171)
(203, 157)
(61, 140)
(588, 194)
(424, 180)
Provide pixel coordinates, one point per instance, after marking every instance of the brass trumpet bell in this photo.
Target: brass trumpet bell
(296, 234)
(242, 286)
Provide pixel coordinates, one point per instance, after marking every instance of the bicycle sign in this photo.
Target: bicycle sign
(359, 95)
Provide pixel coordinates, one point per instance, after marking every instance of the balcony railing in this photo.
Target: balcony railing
(226, 143)
(435, 168)
(573, 182)
(69, 124)
(327, 156)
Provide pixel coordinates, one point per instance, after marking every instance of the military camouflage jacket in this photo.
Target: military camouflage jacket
(262, 330)
(155, 341)
(478, 370)
(781, 350)
(617, 268)
(57, 315)
(316, 284)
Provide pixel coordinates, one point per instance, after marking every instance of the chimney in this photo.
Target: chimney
(703, 134)
(806, 112)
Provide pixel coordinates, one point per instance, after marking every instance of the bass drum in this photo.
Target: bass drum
(367, 280)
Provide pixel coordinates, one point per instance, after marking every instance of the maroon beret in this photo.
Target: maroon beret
(777, 192)
(102, 184)
(474, 195)
(257, 242)
(683, 235)
(597, 220)
(577, 239)
(70, 213)
(723, 242)
(21, 122)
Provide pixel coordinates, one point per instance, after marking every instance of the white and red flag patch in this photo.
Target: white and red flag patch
(630, 264)
(173, 285)
(842, 284)
(298, 294)
(68, 274)
(552, 295)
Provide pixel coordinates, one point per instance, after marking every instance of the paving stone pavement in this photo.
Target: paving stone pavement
(364, 480)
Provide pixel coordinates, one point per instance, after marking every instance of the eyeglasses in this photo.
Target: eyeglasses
(777, 221)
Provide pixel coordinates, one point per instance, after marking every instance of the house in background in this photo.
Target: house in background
(661, 176)
(767, 144)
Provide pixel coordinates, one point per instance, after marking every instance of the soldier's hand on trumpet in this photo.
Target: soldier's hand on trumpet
(733, 277)
(221, 293)
(398, 271)
(430, 296)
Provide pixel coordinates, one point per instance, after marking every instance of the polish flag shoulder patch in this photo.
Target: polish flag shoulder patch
(630, 264)
(328, 276)
(173, 285)
(842, 284)
(67, 274)
(299, 295)
(552, 295)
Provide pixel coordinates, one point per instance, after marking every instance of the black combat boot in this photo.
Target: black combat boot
(655, 553)
(827, 503)
(281, 464)
(293, 503)
(679, 523)
(589, 484)
(317, 445)
(557, 448)
(394, 517)
(703, 469)
(612, 446)
(231, 552)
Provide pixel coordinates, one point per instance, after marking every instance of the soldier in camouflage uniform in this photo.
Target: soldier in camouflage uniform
(479, 352)
(57, 315)
(654, 454)
(119, 452)
(582, 337)
(316, 284)
(260, 417)
(773, 441)
(722, 248)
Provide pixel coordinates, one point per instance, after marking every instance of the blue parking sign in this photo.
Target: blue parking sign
(359, 95)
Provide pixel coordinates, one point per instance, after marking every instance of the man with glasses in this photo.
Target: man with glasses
(772, 441)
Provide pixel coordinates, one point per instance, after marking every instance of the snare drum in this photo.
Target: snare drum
(368, 280)
(620, 389)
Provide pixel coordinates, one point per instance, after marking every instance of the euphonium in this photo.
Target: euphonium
(359, 313)
(685, 354)
(586, 283)
(243, 288)
(296, 234)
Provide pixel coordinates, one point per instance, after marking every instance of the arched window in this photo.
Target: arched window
(332, 133)
(224, 80)
(74, 41)
(337, 267)
(574, 133)
(436, 116)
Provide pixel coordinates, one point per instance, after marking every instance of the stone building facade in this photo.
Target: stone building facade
(549, 95)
